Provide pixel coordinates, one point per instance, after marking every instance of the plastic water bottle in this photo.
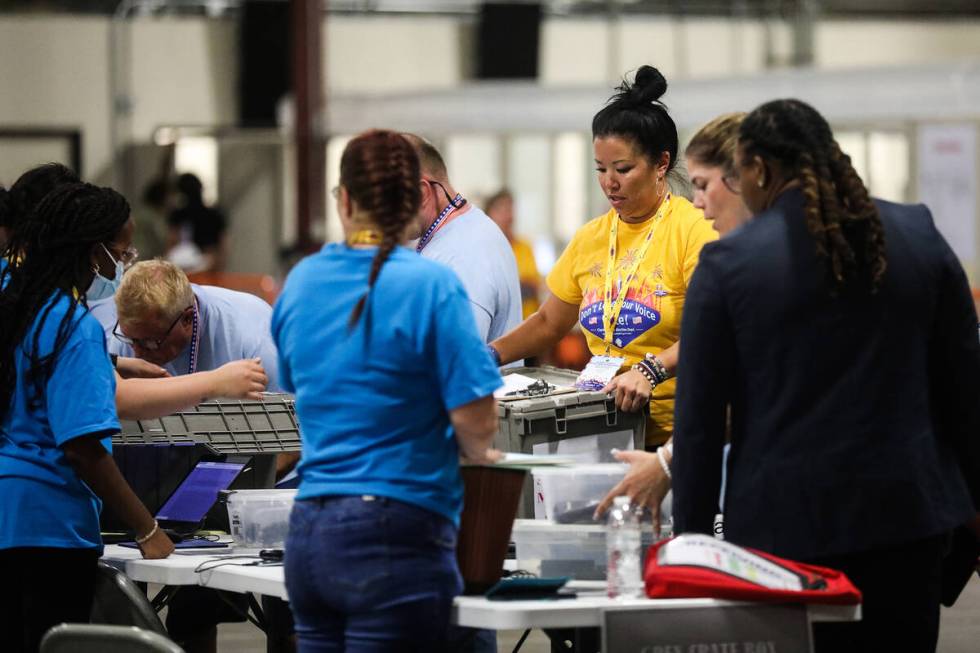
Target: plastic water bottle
(623, 573)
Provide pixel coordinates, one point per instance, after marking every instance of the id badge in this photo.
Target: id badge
(598, 373)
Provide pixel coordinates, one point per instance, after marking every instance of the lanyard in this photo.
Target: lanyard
(456, 204)
(611, 309)
(195, 342)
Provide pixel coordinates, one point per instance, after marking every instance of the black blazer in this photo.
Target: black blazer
(856, 419)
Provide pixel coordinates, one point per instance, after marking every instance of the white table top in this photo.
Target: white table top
(583, 611)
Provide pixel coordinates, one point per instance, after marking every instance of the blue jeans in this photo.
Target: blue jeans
(370, 574)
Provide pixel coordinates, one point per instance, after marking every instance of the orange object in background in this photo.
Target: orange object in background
(572, 351)
(260, 285)
(976, 299)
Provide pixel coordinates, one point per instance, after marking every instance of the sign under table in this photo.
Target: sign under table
(586, 611)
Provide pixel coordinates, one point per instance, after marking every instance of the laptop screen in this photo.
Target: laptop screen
(197, 493)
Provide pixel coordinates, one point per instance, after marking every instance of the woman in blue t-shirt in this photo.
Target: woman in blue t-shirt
(393, 385)
(57, 413)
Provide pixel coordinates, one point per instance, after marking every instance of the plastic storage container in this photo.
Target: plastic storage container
(575, 550)
(223, 426)
(259, 519)
(566, 493)
(580, 425)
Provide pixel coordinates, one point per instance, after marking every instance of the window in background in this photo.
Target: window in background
(571, 178)
(474, 163)
(529, 177)
(199, 155)
(855, 145)
(888, 161)
(335, 149)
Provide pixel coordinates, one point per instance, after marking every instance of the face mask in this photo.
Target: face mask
(102, 288)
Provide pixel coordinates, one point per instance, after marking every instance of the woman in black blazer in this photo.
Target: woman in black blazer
(843, 334)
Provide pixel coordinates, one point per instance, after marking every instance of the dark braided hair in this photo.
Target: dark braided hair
(19, 201)
(51, 256)
(636, 114)
(380, 171)
(840, 215)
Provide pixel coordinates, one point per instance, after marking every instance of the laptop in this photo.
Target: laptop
(184, 510)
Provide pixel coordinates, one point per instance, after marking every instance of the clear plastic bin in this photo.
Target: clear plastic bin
(561, 491)
(259, 519)
(575, 550)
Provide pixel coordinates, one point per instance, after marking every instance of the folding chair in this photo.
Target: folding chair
(120, 602)
(99, 638)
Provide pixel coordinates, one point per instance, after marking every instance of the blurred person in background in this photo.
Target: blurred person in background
(56, 466)
(624, 275)
(710, 160)
(141, 392)
(197, 237)
(454, 232)
(393, 386)
(842, 333)
(500, 209)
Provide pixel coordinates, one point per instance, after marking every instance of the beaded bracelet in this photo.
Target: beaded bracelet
(146, 538)
(657, 367)
(646, 372)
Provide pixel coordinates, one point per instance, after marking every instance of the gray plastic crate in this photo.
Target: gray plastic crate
(224, 426)
(561, 416)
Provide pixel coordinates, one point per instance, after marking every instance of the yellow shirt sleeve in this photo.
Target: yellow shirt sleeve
(701, 233)
(561, 279)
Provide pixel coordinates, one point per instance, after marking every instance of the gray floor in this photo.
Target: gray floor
(959, 632)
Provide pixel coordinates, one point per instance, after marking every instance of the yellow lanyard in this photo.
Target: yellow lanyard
(611, 309)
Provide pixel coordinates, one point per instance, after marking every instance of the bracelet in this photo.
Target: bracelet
(146, 538)
(663, 463)
(647, 373)
(657, 367)
(494, 354)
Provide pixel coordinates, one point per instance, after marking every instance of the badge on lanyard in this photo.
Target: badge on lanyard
(601, 369)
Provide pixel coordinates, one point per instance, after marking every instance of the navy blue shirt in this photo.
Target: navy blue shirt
(373, 402)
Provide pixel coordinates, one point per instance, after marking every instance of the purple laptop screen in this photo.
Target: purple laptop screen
(198, 492)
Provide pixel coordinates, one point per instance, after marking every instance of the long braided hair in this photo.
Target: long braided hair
(51, 256)
(19, 201)
(840, 215)
(380, 171)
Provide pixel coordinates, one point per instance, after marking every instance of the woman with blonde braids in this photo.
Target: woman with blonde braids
(393, 385)
(842, 332)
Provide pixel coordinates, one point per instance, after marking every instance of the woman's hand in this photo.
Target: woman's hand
(645, 484)
(137, 368)
(631, 390)
(158, 546)
(244, 379)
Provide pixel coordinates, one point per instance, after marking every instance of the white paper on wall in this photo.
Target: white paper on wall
(947, 182)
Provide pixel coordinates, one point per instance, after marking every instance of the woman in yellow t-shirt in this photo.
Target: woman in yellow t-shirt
(500, 208)
(631, 266)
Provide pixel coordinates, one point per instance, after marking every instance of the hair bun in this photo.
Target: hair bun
(649, 85)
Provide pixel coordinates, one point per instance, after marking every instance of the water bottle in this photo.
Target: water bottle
(623, 571)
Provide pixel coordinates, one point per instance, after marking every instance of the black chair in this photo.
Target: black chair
(118, 601)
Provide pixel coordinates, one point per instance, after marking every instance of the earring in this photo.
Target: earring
(762, 182)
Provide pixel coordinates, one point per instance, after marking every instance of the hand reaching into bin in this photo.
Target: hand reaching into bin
(646, 483)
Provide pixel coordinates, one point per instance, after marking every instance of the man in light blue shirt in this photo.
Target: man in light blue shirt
(454, 232)
(161, 317)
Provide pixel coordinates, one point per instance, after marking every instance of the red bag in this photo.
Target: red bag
(700, 566)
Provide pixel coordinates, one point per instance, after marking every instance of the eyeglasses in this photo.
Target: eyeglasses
(126, 256)
(150, 344)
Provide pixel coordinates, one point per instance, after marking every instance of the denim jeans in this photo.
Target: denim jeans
(368, 574)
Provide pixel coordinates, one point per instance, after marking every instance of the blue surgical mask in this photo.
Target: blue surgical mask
(102, 288)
